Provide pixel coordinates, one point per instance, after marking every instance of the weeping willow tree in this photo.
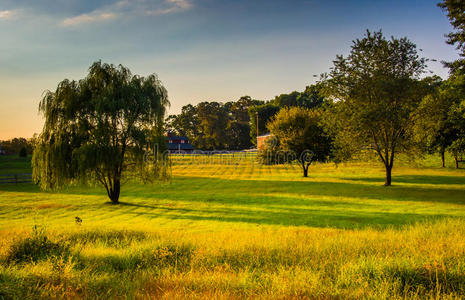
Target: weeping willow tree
(99, 129)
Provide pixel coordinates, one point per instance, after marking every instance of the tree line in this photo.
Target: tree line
(232, 125)
(17, 146)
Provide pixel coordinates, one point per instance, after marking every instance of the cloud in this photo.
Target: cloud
(6, 14)
(126, 8)
(89, 18)
(172, 6)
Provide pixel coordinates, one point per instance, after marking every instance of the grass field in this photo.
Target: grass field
(240, 230)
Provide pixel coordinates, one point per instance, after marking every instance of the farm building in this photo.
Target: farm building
(261, 139)
(178, 143)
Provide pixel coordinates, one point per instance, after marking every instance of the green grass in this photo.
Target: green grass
(240, 230)
(13, 164)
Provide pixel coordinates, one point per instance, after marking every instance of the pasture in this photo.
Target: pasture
(238, 229)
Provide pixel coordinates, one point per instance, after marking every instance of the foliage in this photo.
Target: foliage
(36, 247)
(299, 132)
(375, 90)
(455, 12)
(311, 97)
(433, 129)
(215, 125)
(233, 125)
(23, 152)
(457, 148)
(15, 145)
(271, 153)
(98, 127)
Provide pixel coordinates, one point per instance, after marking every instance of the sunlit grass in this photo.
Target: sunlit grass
(220, 230)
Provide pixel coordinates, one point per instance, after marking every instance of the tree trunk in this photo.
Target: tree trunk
(305, 167)
(456, 162)
(305, 172)
(388, 175)
(114, 194)
(443, 158)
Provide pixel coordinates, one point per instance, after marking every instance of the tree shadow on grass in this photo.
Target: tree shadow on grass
(256, 192)
(415, 179)
(273, 202)
(290, 216)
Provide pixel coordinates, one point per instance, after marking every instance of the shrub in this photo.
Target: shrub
(36, 247)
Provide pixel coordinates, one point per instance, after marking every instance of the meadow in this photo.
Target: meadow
(235, 229)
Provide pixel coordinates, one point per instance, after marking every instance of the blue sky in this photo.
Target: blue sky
(202, 50)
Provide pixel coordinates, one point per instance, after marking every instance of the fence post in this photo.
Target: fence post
(16, 178)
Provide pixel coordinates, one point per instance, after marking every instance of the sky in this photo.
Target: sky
(202, 50)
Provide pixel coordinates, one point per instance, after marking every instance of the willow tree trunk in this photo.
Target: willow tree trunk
(115, 191)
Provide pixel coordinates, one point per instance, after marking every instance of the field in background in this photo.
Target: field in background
(236, 229)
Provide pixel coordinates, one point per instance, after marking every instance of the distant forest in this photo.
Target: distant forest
(232, 125)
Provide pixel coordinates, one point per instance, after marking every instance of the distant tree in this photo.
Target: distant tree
(298, 130)
(457, 149)
(291, 99)
(455, 10)
(238, 128)
(98, 128)
(240, 108)
(376, 90)
(213, 117)
(215, 125)
(23, 152)
(186, 123)
(15, 145)
(434, 129)
(311, 97)
(455, 89)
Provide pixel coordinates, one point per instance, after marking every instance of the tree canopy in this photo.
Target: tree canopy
(455, 10)
(215, 125)
(375, 90)
(299, 133)
(99, 127)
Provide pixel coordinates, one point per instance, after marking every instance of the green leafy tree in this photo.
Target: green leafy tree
(213, 117)
(186, 123)
(434, 128)
(299, 132)
(98, 128)
(238, 128)
(457, 149)
(455, 89)
(311, 97)
(375, 91)
(455, 10)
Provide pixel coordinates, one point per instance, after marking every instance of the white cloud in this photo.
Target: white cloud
(89, 18)
(171, 6)
(126, 8)
(6, 14)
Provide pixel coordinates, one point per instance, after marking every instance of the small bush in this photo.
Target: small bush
(36, 247)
